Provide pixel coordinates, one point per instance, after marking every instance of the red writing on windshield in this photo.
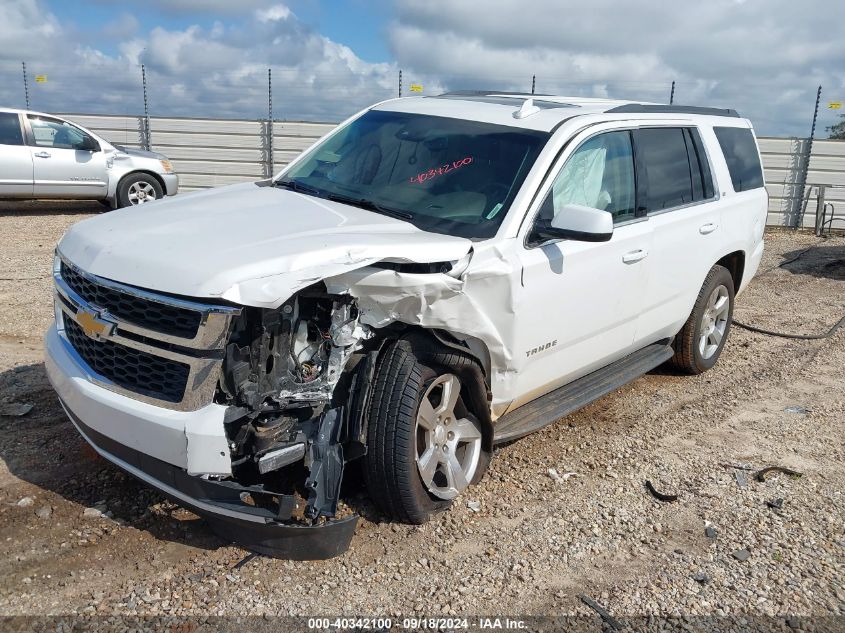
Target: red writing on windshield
(439, 171)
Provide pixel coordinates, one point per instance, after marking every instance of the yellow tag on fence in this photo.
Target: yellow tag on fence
(41, 79)
(834, 105)
(416, 88)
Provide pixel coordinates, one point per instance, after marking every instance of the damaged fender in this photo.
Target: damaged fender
(479, 305)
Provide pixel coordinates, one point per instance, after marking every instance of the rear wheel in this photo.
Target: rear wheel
(424, 446)
(699, 343)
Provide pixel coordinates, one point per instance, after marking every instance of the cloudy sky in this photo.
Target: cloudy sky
(329, 58)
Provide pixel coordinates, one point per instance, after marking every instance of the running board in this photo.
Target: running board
(549, 408)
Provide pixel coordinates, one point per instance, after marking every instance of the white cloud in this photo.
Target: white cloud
(273, 14)
(764, 58)
(25, 29)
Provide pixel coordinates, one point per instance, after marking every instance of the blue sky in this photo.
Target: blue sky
(209, 58)
(359, 24)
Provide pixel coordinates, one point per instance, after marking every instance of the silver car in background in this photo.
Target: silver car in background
(44, 156)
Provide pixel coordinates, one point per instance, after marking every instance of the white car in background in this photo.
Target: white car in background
(43, 156)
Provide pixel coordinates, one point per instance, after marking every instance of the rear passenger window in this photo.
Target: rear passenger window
(741, 155)
(10, 129)
(674, 166)
(666, 162)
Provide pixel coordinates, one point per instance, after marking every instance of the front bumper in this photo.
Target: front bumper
(152, 444)
(193, 440)
(171, 183)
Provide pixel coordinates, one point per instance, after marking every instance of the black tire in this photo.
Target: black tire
(125, 186)
(689, 357)
(390, 466)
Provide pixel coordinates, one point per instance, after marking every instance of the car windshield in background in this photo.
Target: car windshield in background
(443, 175)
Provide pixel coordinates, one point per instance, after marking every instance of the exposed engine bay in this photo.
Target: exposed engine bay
(288, 378)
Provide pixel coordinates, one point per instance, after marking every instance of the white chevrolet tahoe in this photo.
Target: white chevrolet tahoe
(436, 276)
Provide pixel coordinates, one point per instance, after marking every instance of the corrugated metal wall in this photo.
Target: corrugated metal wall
(214, 152)
(784, 160)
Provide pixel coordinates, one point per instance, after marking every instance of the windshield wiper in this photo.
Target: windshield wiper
(298, 187)
(369, 205)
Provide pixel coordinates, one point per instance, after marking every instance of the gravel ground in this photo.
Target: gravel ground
(79, 537)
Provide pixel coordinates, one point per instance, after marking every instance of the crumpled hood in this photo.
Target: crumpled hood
(254, 245)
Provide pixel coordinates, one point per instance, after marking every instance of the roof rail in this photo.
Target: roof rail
(486, 93)
(639, 108)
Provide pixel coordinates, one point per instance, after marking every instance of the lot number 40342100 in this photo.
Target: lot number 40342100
(439, 171)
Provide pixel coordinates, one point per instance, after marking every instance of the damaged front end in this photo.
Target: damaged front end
(290, 380)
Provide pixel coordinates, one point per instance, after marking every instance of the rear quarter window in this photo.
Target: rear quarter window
(741, 155)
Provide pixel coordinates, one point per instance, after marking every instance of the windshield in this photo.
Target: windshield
(443, 175)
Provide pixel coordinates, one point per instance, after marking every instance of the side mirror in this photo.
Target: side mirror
(89, 144)
(580, 223)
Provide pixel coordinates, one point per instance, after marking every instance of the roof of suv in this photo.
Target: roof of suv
(548, 111)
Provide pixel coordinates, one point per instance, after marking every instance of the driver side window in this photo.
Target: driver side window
(56, 134)
(600, 174)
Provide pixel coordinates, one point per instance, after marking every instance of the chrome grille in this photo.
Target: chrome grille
(152, 315)
(151, 347)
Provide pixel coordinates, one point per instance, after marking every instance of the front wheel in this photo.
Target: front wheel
(424, 446)
(137, 189)
(699, 343)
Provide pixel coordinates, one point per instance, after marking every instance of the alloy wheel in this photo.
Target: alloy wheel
(714, 322)
(448, 447)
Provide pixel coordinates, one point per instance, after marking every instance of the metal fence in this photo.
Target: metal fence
(213, 152)
(785, 161)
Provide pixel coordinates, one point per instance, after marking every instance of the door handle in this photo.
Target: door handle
(634, 256)
(707, 228)
(42, 154)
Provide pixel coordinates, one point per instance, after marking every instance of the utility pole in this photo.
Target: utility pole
(672, 94)
(400, 82)
(533, 83)
(269, 173)
(147, 141)
(808, 154)
(25, 85)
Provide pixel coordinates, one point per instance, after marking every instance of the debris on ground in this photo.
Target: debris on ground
(775, 504)
(15, 409)
(741, 478)
(659, 495)
(760, 475)
(603, 614)
(245, 560)
(702, 578)
(92, 513)
(741, 555)
(737, 465)
(710, 532)
(797, 409)
(44, 512)
(26, 502)
(475, 506)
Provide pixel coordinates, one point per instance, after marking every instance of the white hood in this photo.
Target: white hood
(245, 243)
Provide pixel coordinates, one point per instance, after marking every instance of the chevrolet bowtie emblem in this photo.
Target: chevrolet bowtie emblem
(93, 324)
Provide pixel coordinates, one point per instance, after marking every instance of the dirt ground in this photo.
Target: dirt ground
(536, 543)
